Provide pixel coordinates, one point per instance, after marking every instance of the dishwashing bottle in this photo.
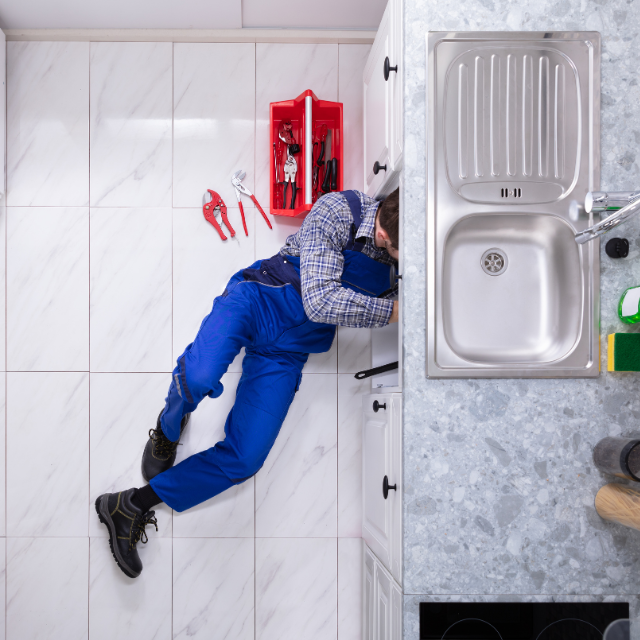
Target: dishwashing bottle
(629, 307)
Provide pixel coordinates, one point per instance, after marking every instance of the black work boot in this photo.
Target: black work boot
(126, 524)
(160, 452)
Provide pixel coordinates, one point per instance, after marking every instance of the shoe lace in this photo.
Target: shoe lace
(138, 533)
(161, 443)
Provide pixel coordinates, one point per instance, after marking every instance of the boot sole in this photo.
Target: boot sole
(105, 517)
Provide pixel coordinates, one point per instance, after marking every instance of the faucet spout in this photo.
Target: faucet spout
(624, 204)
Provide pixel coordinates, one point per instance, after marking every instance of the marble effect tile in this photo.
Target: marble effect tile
(296, 589)
(202, 266)
(351, 62)
(47, 454)
(48, 123)
(3, 280)
(131, 290)
(354, 349)
(131, 121)
(213, 589)
(120, 607)
(350, 588)
(283, 72)
(48, 289)
(3, 464)
(124, 406)
(296, 487)
(47, 588)
(350, 392)
(3, 588)
(214, 121)
(231, 513)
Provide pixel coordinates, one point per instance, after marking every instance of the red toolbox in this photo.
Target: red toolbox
(306, 151)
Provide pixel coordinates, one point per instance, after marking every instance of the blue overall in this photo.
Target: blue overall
(261, 310)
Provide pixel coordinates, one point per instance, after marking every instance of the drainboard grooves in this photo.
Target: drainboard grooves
(527, 114)
(511, 120)
(494, 121)
(543, 117)
(558, 129)
(478, 116)
(512, 89)
(463, 81)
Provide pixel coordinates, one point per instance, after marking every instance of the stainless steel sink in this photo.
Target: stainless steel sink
(513, 134)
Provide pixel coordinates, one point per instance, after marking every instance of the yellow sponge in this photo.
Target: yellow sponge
(624, 352)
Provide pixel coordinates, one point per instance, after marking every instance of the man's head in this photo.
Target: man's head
(387, 224)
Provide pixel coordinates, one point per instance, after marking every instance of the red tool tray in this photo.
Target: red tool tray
(296, 111)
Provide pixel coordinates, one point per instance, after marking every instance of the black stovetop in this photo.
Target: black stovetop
(518, 620)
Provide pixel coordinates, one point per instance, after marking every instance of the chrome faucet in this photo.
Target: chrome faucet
(624, 204)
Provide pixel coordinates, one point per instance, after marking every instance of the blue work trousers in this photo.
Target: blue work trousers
(269, 321)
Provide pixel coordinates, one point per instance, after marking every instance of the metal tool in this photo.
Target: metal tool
(212, 202)
(290, 171)
(236, 180)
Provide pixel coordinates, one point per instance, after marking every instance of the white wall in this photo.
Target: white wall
(190, 14)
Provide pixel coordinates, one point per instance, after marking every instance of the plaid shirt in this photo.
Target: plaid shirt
(319, 243)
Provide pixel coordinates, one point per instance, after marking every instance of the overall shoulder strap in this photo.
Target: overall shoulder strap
(354, 204)
(353, 200)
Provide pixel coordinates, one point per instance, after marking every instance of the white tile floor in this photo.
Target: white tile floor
(110, 267)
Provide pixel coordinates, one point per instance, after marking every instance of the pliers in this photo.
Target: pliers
(212, 202)
(236, 181)
(290, 171)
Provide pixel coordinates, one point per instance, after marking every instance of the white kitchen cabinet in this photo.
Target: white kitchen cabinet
(383, 131)
(376, 100)
(382, 459)
(368, 589)
(396, 113)
(382, 602)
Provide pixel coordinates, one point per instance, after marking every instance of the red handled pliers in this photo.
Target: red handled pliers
(236, 180)
(213, 202)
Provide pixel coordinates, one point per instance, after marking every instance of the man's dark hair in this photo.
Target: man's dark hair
(388, 216)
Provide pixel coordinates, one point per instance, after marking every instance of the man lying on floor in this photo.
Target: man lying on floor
(280, 310)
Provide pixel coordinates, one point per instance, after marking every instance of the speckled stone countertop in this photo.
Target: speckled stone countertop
(499, 482)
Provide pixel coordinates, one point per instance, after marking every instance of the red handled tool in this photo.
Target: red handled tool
(236, 180)
(213, 202)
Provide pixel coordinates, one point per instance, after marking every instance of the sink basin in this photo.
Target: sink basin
(512, 289)
(512, 148)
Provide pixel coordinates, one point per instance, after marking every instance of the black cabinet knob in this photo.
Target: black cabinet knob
(388, 68)
(377, 406)
(386, 486)
(377, 166)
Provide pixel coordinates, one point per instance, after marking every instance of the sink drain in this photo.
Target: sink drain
(494, 262)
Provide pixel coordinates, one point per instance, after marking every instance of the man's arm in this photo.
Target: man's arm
(321, 266)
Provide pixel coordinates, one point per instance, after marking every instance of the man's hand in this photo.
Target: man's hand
(394, 313)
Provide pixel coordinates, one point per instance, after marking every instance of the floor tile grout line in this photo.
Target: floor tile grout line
(173, 50)
(89, 345)
(255, 253)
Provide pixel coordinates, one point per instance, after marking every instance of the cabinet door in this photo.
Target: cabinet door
(395, 478)
(396, 612)
(383, 604)
(368, 590)
(376, 107)
(376, 459)
(396, 112)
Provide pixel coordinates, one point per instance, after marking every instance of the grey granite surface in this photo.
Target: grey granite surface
(498, 478)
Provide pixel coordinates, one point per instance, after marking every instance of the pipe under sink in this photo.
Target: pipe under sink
(513, 130)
